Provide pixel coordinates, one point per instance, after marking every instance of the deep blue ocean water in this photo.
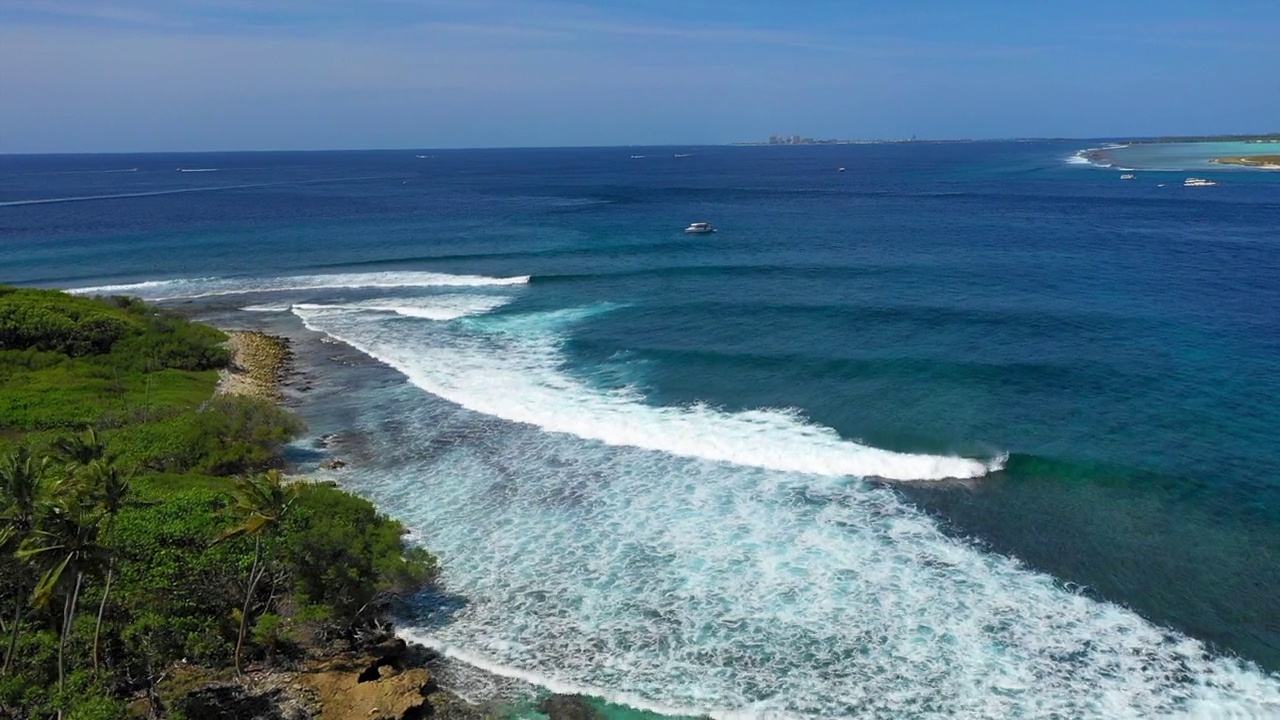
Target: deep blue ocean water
(719, 472)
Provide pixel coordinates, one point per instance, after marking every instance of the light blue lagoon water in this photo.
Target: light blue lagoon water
(1180, 157)
(964, 431)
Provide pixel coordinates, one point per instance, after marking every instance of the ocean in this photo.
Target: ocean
(964, 430)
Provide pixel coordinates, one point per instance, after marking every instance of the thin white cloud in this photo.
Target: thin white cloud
(121, 14)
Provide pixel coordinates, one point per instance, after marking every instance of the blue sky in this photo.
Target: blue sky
(142, 75)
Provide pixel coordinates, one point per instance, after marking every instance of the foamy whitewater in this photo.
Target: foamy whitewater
(208, 287)
(693, 560)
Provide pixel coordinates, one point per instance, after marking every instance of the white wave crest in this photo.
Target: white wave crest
(208, 287)
(556, 686)
(443, 307)
(267, 308)
(518, 377)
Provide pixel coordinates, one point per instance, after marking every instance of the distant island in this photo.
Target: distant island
(1270, 162)
(1263, 138)
(798, 140)
(801, 140)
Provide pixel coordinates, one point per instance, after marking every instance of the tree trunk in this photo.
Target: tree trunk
(68, 619)
(13, 635)
(248, 595)
(97, 628)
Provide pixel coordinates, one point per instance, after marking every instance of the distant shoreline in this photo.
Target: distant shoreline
(1261, 139)
(1266, 162)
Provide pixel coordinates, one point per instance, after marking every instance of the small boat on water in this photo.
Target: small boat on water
(1198, 182)
(699, 228)
(1127, 176)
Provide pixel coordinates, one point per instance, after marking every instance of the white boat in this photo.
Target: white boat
(699, 228)
(1198, 182)
(1127, 176)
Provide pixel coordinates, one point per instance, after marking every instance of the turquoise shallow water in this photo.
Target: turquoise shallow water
(1181, 157)
(966, 430)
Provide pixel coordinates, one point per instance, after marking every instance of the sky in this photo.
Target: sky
(176, 75)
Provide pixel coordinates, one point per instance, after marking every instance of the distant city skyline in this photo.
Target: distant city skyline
(174, 75)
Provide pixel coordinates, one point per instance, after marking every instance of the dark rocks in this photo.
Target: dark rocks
(569, 707)
(233, 702)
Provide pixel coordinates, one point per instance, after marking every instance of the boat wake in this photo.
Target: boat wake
(174, 191)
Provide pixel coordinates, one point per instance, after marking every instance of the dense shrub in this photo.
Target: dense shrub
(172, 342)
(345, 557)
(152, 549)
(50, 321)
(234, 435)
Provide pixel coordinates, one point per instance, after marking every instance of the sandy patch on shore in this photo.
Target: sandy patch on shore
(258, 363)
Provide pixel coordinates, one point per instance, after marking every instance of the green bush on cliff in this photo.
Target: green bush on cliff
(130, 519)
(139, 337)
(228, 435)
(346, 559)
(68, 362)
(50, 321)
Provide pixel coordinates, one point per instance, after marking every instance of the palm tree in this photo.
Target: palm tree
(22, 489)
(108, 489)
(77, 451)
(66, 546)
(261, 505)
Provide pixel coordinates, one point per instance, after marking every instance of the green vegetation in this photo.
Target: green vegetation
(1256, 138)
(144, 529)
(1250, 160)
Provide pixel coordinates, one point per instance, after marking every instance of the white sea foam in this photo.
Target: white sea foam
(517, 377)
(1082, 157)
(694, 560)
(199, 169)
(676, 584)
(208, 287)
(556, 686)
(443, 307)
(267, 308)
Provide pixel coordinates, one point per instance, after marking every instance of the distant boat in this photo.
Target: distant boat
(1198, 182)
(699, 228)
(1127, 176)
(840, 170)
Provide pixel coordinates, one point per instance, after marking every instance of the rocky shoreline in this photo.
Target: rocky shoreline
(258, 365)
(383, 679)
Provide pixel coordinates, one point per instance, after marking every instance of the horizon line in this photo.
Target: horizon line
(738, 143)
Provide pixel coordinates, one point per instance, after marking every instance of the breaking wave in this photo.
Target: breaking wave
(510, 367)
(207, 287)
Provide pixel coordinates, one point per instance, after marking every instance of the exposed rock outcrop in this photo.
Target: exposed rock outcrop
(258, 364)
